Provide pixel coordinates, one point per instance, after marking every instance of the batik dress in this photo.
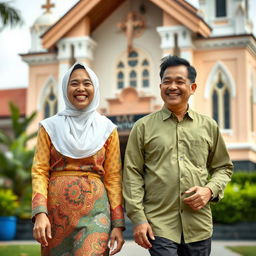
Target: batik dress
(82, 197)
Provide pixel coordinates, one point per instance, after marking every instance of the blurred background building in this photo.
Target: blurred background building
(123, 42)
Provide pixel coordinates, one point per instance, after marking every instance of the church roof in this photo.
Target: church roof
(17, 96)
(98, 10)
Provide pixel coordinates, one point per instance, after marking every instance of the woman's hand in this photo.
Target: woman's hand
(116, 236)
(42, 229)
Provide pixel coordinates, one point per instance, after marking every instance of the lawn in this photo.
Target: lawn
(20, 250)
(244, 250)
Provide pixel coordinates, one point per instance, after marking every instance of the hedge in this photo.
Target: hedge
(243, 177)
(238, 204)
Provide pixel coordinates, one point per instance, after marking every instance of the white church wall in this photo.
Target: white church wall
(112, 42)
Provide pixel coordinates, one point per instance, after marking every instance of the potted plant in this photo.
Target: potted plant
(15, 167)
(8, 207)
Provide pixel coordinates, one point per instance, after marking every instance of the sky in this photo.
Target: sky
(13, 71)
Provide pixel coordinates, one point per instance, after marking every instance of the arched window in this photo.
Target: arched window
(133, 70)
(120, 78)
(145, 76)
(120, 75)
(50, 104)
(226, 108)
(215, 105)
(133, 58)
(133, 78)
(221, 102)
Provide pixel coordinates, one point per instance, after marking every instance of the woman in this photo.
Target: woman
(76, 176)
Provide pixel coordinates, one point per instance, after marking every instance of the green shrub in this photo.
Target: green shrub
(8, 203)
(24, 210)
(238, 204)
(243, 177)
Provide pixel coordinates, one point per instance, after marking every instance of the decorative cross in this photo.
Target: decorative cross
(48, 6)
(133, 26)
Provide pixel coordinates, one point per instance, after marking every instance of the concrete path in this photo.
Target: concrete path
(132, 249)
(218, 248)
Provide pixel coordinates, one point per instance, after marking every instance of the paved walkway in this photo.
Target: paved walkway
(218, 248)
(132, 249)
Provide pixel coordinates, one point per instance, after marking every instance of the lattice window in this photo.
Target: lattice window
(133, 70)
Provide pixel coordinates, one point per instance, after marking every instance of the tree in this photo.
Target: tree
(9, 16)
(16, 161)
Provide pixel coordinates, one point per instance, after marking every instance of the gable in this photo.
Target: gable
(95, 10)
(91, 13)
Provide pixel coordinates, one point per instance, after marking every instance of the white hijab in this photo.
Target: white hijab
(79, 133)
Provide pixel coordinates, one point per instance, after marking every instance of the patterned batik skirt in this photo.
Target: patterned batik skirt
(79, 214)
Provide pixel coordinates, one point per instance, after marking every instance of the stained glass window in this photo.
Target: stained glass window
(226, 109)
(50, 104)
(215, 106)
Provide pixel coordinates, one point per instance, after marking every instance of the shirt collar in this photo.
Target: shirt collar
(166, 113)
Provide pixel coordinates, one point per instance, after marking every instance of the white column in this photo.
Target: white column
(167, 39)
(83, 52)
(84, 47)
(184, 42)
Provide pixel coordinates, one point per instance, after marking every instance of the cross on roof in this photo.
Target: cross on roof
(48, 6)
(133, 25)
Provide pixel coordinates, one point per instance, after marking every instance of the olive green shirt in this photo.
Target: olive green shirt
(164, 158)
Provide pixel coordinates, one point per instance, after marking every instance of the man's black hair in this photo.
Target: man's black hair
(173, 61)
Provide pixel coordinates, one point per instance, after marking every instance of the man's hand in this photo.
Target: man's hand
(199, 199)
(141, 233)
(116, 236)
(42, 229)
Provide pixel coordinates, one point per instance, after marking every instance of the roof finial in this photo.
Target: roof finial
(48, 6)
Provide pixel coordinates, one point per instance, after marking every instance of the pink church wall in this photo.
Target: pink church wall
(38, 76)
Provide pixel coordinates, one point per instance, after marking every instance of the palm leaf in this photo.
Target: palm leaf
(5, 139)
(27, 120)
(15, 116)
(9, 16)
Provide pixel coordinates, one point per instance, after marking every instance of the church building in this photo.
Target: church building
(123, 41)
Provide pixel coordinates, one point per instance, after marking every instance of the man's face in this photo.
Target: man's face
(176, 88)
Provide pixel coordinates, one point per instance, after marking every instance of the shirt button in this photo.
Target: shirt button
(181, 158)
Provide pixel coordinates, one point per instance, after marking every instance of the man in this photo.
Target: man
(175, 163)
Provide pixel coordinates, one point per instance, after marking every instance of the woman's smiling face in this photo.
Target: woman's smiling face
(80, 89)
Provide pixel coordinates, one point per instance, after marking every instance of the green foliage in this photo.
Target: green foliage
(16, 162)
(244, 177)
(24, 210)
(8, 202)
(19, 127)
(9, 16)
(238, 204)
